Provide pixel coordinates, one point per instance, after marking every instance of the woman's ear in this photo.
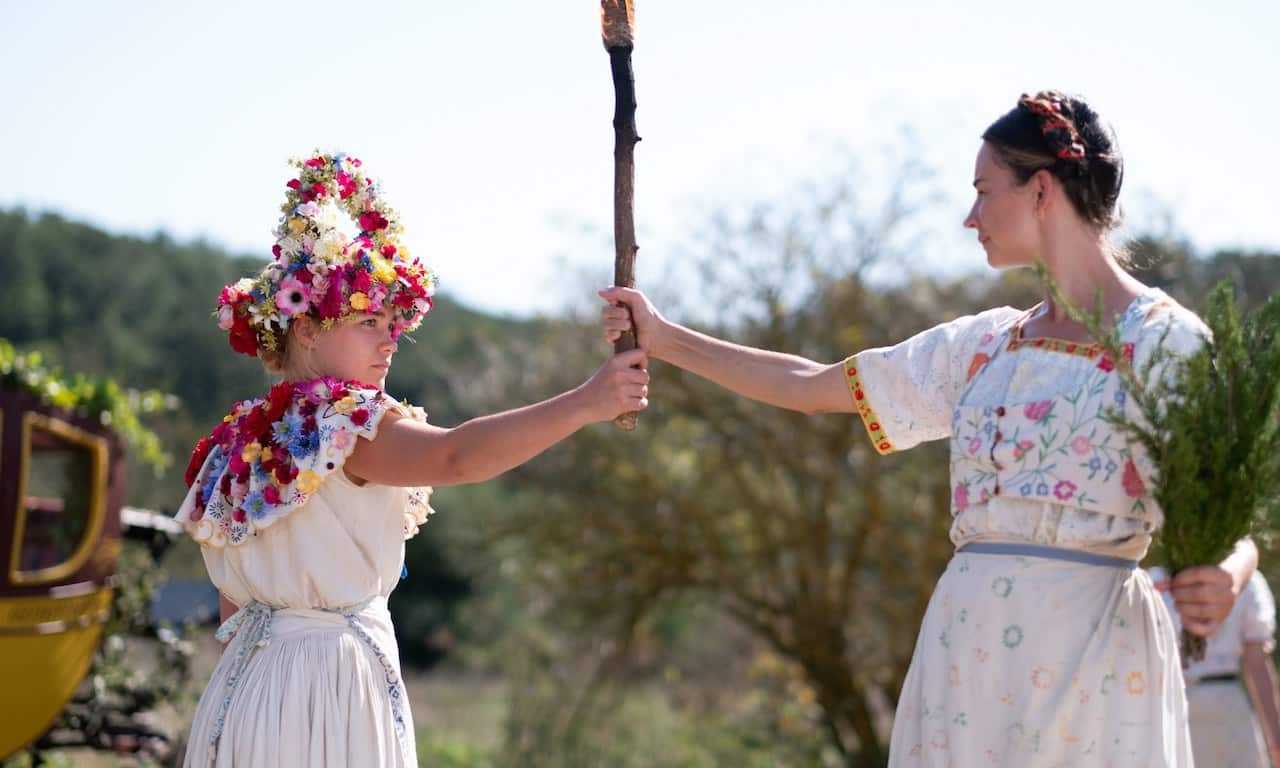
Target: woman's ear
(1042, 186)
(305, 331)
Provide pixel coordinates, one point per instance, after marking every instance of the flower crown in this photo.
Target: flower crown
(317, 271)
(1059, 132)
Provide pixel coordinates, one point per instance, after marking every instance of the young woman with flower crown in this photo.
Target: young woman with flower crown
(1043, 644)
(301, 500)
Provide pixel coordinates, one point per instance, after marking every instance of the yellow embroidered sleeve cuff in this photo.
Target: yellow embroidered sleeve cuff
(875, 430)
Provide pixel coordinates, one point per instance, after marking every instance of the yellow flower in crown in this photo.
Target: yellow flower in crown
(383, 272)
(318, 271)
(346, 405)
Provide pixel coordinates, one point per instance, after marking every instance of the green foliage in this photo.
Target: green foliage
(1211, 424)
(1218, 448)
(446, 753)
(97, 398)
(139, 310)
(593, 575)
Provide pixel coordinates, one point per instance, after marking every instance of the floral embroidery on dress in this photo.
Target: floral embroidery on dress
(1061, 450)
(270, 455)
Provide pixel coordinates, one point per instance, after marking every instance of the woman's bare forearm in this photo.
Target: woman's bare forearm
(487, 446)
(779, 379)
(1241, 563)
(1260, 680)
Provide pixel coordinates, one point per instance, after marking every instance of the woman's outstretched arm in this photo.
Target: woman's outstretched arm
(410, 453)
(1260, 682)
(786, 381)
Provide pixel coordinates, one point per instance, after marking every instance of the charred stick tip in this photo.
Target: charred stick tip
(617, 23)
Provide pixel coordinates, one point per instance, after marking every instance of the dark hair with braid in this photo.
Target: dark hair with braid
(1062, 134)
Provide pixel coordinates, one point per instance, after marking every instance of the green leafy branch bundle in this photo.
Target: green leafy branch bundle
(1210, 423)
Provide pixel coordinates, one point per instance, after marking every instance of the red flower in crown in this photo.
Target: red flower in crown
(243, 338)
(371, 221)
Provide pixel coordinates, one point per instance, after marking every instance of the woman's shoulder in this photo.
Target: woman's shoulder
(270, 455)
(1158, 320)
(980, 324)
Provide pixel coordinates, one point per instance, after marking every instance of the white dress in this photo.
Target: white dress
(1224, 728)
(311, 675)
(1030, 660)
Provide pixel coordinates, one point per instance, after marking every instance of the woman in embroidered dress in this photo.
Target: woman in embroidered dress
(1043, 644)
(301, 501)
(1233, 698)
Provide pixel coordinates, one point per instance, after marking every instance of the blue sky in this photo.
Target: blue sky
(488, 122)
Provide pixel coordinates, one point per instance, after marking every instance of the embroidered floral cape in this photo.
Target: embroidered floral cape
(269, 456)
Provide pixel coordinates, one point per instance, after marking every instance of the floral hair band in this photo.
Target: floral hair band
(1059, 132)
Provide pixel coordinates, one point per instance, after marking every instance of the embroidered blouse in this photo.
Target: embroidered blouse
(1033, 458)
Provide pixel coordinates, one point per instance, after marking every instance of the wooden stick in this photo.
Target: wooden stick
(617, 20)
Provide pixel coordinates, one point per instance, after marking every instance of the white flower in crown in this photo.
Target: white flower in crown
(329, 247)
(289, 247)
(327, 218)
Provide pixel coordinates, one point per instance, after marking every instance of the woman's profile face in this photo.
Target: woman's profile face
(359, 349)
(1003, 213)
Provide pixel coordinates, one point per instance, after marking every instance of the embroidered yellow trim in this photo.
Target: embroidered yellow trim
(1056, 345)
(1050, 344)
(869, 419)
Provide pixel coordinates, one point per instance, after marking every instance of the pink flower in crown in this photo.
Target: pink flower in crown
(226, 317)
(377, 294)
(294, 297)
(1038, 411)
(1080, 444)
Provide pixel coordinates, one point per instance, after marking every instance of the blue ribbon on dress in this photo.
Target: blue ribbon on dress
(1039, 550)
(252, 626)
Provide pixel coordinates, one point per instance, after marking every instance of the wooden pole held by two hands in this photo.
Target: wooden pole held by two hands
(617, 23)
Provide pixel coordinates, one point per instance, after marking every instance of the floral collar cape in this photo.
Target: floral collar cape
(269, 456)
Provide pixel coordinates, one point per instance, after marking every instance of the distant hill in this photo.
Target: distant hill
(140, 310)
